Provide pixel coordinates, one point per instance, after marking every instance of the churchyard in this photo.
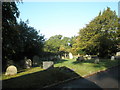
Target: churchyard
(55, 71)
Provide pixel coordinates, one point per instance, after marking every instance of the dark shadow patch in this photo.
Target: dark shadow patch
(40, 79)
(60, 61)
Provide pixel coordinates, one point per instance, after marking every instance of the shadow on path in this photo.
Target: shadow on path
(102, 80)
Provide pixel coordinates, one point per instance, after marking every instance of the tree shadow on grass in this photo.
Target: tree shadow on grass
(60, 61)
(85, 61)
(43, 78)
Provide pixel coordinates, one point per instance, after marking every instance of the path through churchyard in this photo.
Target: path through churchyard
(107, 79)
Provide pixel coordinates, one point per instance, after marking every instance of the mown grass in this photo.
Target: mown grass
(23, 72)
(87, 67)
(65, 69)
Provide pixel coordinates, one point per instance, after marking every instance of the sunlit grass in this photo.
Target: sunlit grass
(86, 67)
(26, 71)
(37, 77)
(81, 68)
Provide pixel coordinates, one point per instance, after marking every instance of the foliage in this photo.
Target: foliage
(99, 36)
(19, 39)
(58, 43)
(9, 14)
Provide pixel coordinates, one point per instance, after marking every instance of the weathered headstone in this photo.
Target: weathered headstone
(94, 57)
(70, 55)
(36, 61)
(47, 64)
(11, 70)
(117, 57)
(97, 61)
(112, 57)
(63, 57)
(89, 57)
(80, 59)
(59, 56)
(117, 53)
(28, 63)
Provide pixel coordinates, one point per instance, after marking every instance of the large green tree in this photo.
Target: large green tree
(10, 13)
(100, 35)
(58, 43)
(19, 39)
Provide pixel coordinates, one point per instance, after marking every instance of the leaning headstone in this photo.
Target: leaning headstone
(47, 64)
(11, 70)
(97, 61)
(36, 61)
(28, 63)
(112, 57)
(70, 56)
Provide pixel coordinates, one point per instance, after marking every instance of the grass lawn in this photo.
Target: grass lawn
(87, 67)
(64, 69)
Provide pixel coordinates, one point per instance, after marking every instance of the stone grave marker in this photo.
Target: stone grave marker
(112, 57)
(117, 57)
(28, 63)
(11, 70)
(70, 55)
(80, 58)
(89, 57)
(48, 64)
(97, 61)
(117, 53)
(63, 57)
(36, 61)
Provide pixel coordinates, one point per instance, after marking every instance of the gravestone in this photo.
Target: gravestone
(89, 57)
(80, 59)
(11, 70)
(97, 61)
(59, 56)
(36, 61)
(117, 53)
(112, 57)
(94, 57)
(70, 56)
(48, 64)
(117, 57)
(63, 57)
(28, 63)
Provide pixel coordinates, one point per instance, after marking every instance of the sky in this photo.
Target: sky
(64, 18)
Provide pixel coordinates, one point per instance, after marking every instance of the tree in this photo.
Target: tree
(53, 44)
(99, 36)
(58, 43)
(19, 39)
(30, 43)
(9, 14)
